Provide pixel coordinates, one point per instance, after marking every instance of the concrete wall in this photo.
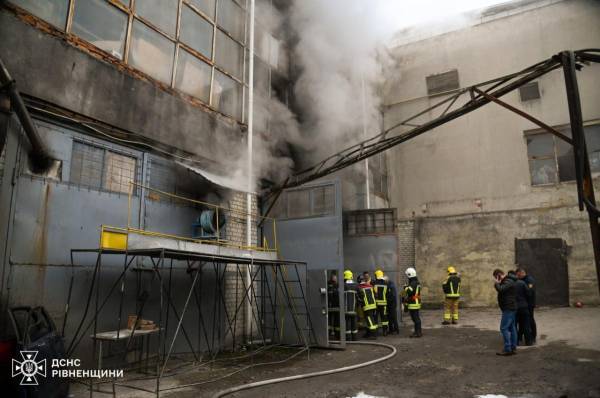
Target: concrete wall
(467, 184)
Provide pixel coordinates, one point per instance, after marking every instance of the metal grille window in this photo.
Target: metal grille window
(442, 82)
(551, 160)
(530, 91)
(100, 168)
(370, 222)
(194, 46)
(307, 202)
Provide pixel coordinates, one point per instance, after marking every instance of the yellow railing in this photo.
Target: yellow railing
(117, 237)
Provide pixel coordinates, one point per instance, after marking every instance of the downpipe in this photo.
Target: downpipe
(40, 159)
(315, 374)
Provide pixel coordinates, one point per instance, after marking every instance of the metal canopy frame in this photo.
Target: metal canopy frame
(479, 95)
(270, 295)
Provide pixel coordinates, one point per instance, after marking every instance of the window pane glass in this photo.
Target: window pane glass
(542, 171)
(86, 165)
(566, 160)
(52, 11)
(206, 6)
(193, 76)
(101, 24)
(151, 52)
(119, 171)
(196, 32)
(160, 13)
(299, 203)
(540, 145)
(231, 19)
(229, 55)
(261, 78)
(592, 141)
(227, 95)
(323, 200)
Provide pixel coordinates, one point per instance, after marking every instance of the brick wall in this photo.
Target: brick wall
(236, 234)
(406, 246)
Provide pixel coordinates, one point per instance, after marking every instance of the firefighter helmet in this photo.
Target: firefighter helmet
(348, 275)
(451, 270)
(411, 272)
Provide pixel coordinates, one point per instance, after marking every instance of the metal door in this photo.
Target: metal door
(545, 260)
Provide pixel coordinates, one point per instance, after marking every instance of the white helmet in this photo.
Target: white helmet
(411, 272)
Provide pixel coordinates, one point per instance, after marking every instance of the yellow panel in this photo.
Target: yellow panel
(114, 240)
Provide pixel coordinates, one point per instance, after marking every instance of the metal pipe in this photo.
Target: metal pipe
(40, 159)
(250, 163)
(365, 134)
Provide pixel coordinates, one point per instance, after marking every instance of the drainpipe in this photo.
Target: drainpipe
(365, 134)
(40, 160)
(250, 168)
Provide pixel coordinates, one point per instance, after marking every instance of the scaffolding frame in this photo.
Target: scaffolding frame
(271, 294)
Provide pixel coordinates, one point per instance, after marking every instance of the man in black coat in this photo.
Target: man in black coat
(530, 282)
(507, 301)
(523, 316)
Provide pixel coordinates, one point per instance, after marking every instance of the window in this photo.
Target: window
(100, 168)
(205, 6)
(379, 175)
(307, 202)
(160, 13)
(231, 18)
(193, 76)
(102, 25)
(229, 55)
(367, 222)
(51, 11)
(551, 160)
(196, 32)
(227, 95)
(442, 82)
(529, 91)
(151, 52)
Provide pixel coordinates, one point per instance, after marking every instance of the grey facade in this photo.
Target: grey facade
(473, 186)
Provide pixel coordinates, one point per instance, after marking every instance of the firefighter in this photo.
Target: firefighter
(392, 306)
(350, 303)
(333, 307)
(451, 288)
(380, 288)
(412, 300)
(366, 300)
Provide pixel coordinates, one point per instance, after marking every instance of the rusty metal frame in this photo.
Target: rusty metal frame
(479, 95)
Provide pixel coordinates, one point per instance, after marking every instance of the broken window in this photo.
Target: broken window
(306, 202)
(227, 95)
(231, 17)
(193, 76)
(552, 160)
(205, 6)
(229, 54)
(51, 11)
(529, 91)
(369, 222)
(298, 203)
(99, 168)
(160, 13)
(379, 175)
(151, 52)
(101, 24)
(323, 200)
(196, 32)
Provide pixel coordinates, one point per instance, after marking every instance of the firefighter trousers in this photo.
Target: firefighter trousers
(451, 308)
(351, 327)
(382, 317)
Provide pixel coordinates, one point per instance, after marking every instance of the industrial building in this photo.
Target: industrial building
(169, 201)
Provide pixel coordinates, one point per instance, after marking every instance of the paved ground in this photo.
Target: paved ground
(451, 361)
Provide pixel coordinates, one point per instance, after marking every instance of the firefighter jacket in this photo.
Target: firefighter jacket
(451, 286)
(412, 294)
(366, 297)
(350, 297)
(333, 298)
(380, 288)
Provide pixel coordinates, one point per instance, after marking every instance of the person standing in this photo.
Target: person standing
(380, 288)
(451, 288)
(523, 317)
(333, 307)
(366, 300)
(530, 282)
(412, 299)
(392, 306)
(507, 301)
(350, 304)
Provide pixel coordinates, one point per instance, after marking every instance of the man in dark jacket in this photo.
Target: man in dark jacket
(392, 306)
(507, 301)
(523, 317)
(333, 307)
(530, 282)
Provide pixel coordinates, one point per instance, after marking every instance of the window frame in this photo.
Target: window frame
(562, 129)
